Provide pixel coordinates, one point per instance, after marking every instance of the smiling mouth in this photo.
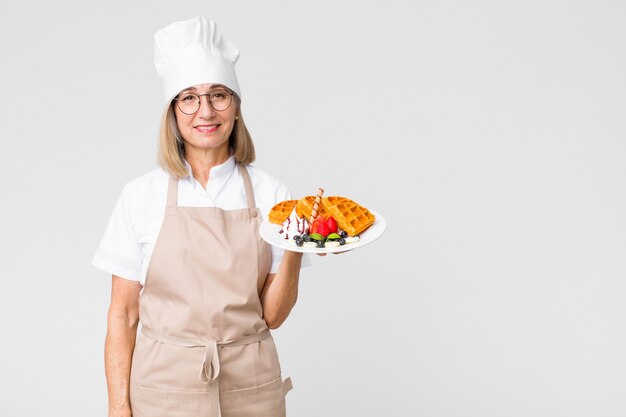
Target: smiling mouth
(206, 128)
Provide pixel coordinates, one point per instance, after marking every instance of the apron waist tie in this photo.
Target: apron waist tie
(210, 370)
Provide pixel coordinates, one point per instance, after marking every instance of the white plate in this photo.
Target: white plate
(269, 233)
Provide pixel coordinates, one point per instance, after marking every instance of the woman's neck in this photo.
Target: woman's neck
(202, 161)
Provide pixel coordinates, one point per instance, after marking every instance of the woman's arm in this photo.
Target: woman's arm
(280, 291)
(123, 318)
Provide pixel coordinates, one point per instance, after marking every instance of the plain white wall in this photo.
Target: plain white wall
(489, 134)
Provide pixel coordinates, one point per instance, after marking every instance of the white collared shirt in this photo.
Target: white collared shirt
(132, 231)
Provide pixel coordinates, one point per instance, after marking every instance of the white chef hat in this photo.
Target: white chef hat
(193, 52)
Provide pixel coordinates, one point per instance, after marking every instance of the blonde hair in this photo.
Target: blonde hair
(172, 148)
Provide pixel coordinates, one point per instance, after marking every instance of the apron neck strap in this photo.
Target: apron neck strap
(172, 192)
(248, 185)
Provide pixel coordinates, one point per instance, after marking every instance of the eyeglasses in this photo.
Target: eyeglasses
(189, 103)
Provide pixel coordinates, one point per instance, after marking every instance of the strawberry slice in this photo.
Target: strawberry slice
(322, 229)
(332, 225)
(313, 225)
(320, 226)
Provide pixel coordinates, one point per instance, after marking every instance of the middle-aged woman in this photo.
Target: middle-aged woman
(186, 258)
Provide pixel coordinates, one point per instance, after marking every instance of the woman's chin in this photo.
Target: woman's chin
(207, 144)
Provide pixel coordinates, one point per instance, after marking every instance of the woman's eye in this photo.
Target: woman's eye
(188, 97)
(219, 95)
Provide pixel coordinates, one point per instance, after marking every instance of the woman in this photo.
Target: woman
(185, 254)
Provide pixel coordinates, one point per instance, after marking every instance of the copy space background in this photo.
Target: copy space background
(489, 134)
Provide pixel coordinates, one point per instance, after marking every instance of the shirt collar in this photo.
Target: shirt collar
(217, 171)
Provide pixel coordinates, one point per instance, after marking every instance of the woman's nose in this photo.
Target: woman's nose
(205, 110)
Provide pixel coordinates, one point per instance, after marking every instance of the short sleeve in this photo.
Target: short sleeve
(119, 252)
(282, 194)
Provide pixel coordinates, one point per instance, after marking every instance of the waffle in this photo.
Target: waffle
(305, 206)
(281, 211)
(350, 216)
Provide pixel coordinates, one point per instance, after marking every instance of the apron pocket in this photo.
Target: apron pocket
(154, 402)
(267, 400)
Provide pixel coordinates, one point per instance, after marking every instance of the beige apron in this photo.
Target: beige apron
(204, 349)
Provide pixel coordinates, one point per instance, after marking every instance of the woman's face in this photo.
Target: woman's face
(207, 128)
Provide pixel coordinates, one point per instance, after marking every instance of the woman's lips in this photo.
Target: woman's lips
(206, 128)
